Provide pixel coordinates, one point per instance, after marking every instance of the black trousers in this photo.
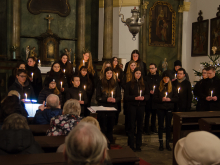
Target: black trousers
(118, 112)
(153, 113)
(106, 121)
(135, 113)
(167, 115)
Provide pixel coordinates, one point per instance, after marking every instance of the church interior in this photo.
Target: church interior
(163, 31)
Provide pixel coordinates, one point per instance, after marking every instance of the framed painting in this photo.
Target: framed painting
(162, 25)
(200, 38)
(215, 35)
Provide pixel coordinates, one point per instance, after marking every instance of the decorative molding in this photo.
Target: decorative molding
(184, 7)
(117, 3)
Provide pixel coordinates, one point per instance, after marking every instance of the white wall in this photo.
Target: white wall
(209, 9)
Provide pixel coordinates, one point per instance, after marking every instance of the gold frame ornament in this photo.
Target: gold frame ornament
(162, 25)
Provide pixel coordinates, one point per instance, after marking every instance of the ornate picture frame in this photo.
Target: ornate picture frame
(215, 35)
(162, 25)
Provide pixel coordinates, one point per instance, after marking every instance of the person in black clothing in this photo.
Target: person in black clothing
(50, 88)
(164, 97)
(78, 93)
(22, 85)
(135, 55)
(67, 68)
(177, 65)
(34, 75)
(183, 86)
(136, 94)
(210, 91)
(153, 81)
(11, 79)
(108, 94)
(201, 106)
(88, 86)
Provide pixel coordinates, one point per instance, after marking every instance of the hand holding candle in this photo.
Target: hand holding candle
(166, 94)
(80, 97)
(211, 93)
(154, 88)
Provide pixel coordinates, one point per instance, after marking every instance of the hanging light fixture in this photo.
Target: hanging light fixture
(134, 23)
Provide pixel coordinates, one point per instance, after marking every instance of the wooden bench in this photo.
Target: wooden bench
(39, 130)
(210, 124)
(186, 122)
(124, 156)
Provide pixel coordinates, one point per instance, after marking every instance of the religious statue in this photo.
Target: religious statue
(68, 53)
(214, 48)
(27, 51)
(164, 64)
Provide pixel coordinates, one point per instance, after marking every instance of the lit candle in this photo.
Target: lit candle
(79, 96)
(175, 75)
(117, 75)
(179, 90)
(154, 88)
(84, 87)
(83, 63)
(140, 92)
(32, 74)
(39, 62)
(64, 70)
(61, 83)
(165, 94)
(112, 93)
(211, 93)
(25, 95)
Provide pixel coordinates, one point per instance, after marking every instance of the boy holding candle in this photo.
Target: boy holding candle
(183, 87)
(78, 93)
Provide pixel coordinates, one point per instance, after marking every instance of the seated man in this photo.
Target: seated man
(44, 114)
(86, 144)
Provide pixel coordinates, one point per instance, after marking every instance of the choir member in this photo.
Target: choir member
(108, 94)
(78, 93)
(34, 74)
(177, 65)
(105, 65)
(136, 94)
(164, 97)
(183, 86)
(153, 81)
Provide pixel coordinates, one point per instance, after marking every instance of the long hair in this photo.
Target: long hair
(129, 72)
(52, 73)
(16, 68)
(117, 68)
(68, 65)
(89, 81)
(135, 52)
(108, 86)
(103, 69)
(140, 80)
(90, 66)
(161, 87)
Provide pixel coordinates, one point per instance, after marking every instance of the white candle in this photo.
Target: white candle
(211, 93)
(64, 70)
(39, 61)
(179, 90)
(83, 63)
(79, 96)
(175, 75)
(112, 93)
(84, 87)
(140, 92)
(25, 95)
(154, 88)
(61, 83)
(32, 74)
(165, 94)
(117, 75)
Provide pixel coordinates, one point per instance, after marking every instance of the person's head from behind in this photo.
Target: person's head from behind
(153, 68)
(198, 148)
(204, 73)
(15, 121)
(11, 93)
(21, 75)
(76, 81)
(72, 107)
(53, 101)
(31, 61)
(83, 71)
(92, 120)
(85, 144)
(211, 72)
(181, 73)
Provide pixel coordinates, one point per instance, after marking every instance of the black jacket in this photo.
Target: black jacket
(68, 71)
(27, 88)
(201, 104)
(46, 92)
(11, 80)
(173, 72)
(158, 95)
(37, 79)
(120, 76)
(143, 67)
(90, 87)
(102, 96)
(18, 142)
(185, 95)
(131, 93)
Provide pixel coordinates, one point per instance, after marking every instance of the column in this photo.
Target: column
(81, 24)
(16, 26)
(108, 30)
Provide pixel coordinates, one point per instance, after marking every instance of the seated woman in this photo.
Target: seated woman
(16, 138)
(50, 88)
(63, 124)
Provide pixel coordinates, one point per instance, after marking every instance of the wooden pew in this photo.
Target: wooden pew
(186, 122)
(124, 156)
(39, 130)
(210, 124)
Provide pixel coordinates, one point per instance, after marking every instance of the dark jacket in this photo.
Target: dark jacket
(68, 71)
(43, 117)
(27, 88)
(11, 80)
(18, 142)
(206, 88)
(131, 93)
(173, 72)
(120, 75)
(102, 96)
(37, 79)
(143, 67)
(185, 95)
(158, 95)
(90, 87)
(46, 92)
(201, 104)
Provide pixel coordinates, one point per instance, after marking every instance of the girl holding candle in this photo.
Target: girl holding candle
(104, 90)
(136, 94)
(105, 65)
(78, 93)
(165, 106)
(34, 74)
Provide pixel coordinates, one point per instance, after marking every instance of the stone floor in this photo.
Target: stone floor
(150, 152)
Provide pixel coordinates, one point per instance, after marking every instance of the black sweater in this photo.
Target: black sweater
(46, 92)
(131, 93)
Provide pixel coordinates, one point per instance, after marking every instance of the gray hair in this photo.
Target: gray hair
(53, 101)
(72, 107)
(85, 144)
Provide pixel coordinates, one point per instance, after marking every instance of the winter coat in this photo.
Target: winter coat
(46, 92)
(18, 142)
